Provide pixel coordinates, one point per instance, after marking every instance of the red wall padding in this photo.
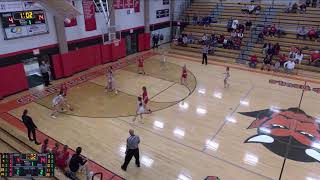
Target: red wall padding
(147, 38)
(123, 48)
(13, 79)
(106, 53)
(141, 43)
(57, 66)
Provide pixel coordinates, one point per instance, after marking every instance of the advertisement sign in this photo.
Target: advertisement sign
(11, 6)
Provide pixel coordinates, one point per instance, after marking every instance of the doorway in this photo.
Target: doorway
(32, 70)
(131, 43)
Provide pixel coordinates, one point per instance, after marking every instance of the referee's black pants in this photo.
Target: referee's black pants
(129, 154)
(204, 58)
(45, 77)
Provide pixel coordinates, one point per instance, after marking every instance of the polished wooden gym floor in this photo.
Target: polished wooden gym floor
(196, 130)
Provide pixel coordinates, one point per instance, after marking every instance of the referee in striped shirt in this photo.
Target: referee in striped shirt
(132, 150)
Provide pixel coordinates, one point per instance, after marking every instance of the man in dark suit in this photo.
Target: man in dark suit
(28, 122)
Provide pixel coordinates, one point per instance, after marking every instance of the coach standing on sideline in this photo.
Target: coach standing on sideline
(205, 50)
(132, 150)
(44, 69)
(28, 122)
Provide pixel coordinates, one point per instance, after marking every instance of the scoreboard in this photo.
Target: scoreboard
(26, 165)
(24, 23)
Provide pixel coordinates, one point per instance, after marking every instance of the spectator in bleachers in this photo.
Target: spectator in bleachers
(248, 25)
(314, 3)
(221, 38)
(239, 34)
(204, 38)
(260, 37)
(266, 48)
(298, 57)
(253, 61)
(303, 8)
(44, 147)
(190, 38)
(235, 24)
(237, 43)
(229, 24)
(233, 34)
(312, 34)
(265, 30)
(277, 66)
(241, 27)
(280, 32)
(55, 150)
(276, 48)
(194, 20)
(62, 158)
(273, 30)
(289, 66)
(294, 8)
(308, 2)
(302, 32)
(288, 8)
(180, 42)
(318, 34)
(283, 59)
(293, 52)
(267, 62)
(185, 40)
(315, 56)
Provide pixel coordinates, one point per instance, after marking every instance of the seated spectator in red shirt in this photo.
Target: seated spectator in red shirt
(265, 31)
(221, 38)
(283, 58)
(312, 34)
(55, 151)
(315, 56)
(276, 49)
(273, 30)
(253, 61)
(62, 158)
(237, 43)
(44, 147)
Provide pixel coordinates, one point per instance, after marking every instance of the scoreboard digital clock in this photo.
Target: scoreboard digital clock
(26, 165)
(24, 23)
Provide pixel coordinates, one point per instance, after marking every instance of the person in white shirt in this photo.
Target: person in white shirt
(289, 66)
(204, 38)
(298, 57)
(185, 40)
(235, 24)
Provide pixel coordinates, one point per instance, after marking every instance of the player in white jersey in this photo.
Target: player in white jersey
(226, 77)
(111, 84)
(140, 109)
(57, 104)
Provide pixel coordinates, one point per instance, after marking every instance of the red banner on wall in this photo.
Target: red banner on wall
(118, 4)
(89, 15)
(136, 5)
(128, 4)
(73, 21)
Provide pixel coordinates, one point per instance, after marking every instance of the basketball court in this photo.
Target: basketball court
(195, 131)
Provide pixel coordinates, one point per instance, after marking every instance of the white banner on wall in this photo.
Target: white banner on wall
(12, 6)
(23, 31)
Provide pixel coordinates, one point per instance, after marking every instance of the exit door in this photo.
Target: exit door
(131, 43)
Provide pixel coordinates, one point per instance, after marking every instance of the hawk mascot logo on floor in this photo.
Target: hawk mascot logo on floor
(292, 128)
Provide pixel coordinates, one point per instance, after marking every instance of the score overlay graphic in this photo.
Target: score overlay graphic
(26, 165)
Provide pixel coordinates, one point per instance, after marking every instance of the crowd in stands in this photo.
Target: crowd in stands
(300, 7)
(312, 33)
(69, 164)
(231, 41)
(251, 9)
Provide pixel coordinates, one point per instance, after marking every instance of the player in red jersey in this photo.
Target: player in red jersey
(145, 99)
(63, 90)
(141, 65)
(184, 75)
